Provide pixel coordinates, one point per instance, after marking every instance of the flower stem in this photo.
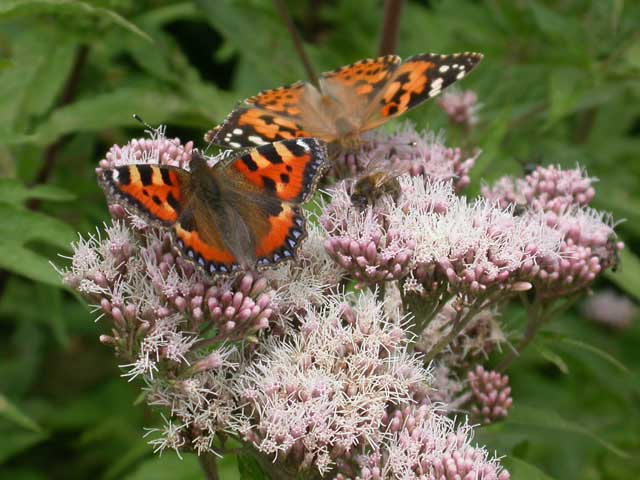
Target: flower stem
(209, 466)
(462, 319)
(534, 322)
(297, 41)
(538, 314)
(390, 24)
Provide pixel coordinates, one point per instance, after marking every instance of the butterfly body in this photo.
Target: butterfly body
(348, 101)
(243, 214)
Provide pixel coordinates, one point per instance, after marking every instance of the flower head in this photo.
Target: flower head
(610, 309)
(323, 392)
(545, 189)
(491, 394)
(424, 444)
(461, 107)
(407, 150)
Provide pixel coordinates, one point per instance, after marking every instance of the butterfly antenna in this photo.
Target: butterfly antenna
(140, 120)
(154, 133)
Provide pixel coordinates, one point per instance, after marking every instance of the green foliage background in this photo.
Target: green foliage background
(560, 83)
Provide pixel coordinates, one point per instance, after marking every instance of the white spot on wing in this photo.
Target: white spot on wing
(303, 144)
(234, 144)
(443, 68)
(436, 87)
(114, 175)
(237, 131)
(460, 75)
(256, 140)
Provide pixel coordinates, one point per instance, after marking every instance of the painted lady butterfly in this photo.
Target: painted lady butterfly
(350, 100)
(240, 214)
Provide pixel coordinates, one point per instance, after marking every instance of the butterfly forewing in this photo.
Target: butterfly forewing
(284, 113)
(353, 87)
(416, 80)
(156, 191)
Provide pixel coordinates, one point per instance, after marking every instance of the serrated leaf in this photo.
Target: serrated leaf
(551, 420)
(73, 7)
(521, 470)
(12, 413)
(269, 40)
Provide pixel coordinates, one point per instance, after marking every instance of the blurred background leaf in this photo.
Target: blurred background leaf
(560, 83)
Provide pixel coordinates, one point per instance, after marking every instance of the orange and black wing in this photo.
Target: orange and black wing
(285, 113)
(271, 182)
(201, 239)
(353, 87)
(416, 80)
(156, 192)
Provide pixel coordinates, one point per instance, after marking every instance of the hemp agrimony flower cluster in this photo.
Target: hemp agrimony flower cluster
(316, 379)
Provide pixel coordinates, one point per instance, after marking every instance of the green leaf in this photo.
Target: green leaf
(169, 467)
(18, 229)
(11, 412)
(551, 420)
(521, 470)
(16, 193)
(15, 441)
(250, 469)
(592, 349)
(627, 275)
(268, 40)
(552, 357)
(491, 144)
(134, 454)
(54, 318)
(73, 7)
(112, 109)
(30, 84)
(566, 88)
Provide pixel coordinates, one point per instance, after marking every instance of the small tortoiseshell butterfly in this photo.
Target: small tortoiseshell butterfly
(350, 101)
(240, 214)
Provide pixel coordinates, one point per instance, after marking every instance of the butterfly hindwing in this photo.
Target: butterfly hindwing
(416, 80)
(275, 179)
(154, 191)
(200, 241)
(286, 233)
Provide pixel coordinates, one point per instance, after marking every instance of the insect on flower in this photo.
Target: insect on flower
(348, 101)
(237, 215)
